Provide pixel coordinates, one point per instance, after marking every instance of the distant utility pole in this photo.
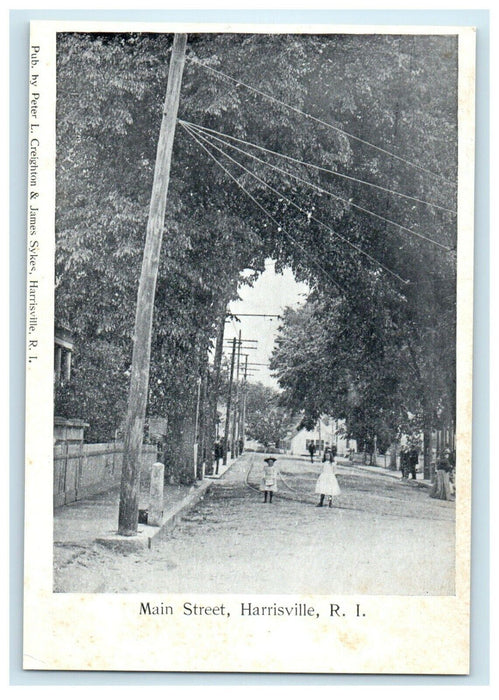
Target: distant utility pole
(213, 404)
(205, 424)
(139, 381)
(196, 430)
(236, 315)
(244, 346)
(242, 429)
(234, 452)
(229, 397)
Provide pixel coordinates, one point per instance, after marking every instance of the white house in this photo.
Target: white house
(326, 433)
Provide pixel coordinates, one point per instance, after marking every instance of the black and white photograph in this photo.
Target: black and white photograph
(257, 308)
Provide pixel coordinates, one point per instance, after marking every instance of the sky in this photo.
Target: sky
(270, 294)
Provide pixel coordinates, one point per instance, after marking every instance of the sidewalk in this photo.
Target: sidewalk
(394, 474)
(95, 519)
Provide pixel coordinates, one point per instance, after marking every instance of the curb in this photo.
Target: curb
(171, 517)
(146, 533)
(222, 469)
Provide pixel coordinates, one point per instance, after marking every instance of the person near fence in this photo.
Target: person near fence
(218, 454)
(404, 462)
(413, 459)
(442, 487)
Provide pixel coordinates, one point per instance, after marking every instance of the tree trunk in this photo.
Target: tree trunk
(427, 453)
(185, 467)
(178, 455)
(393, 455)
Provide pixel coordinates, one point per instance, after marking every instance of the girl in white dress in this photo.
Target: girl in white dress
(327, 484)
(269, 481)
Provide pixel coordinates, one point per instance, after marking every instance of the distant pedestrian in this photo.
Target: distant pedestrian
(218, 454)
(442, 487)
(452, 473)
(327, 484)
(452, 456)
(269, 481)
(404, 462)
(413, 459)
(311, 449)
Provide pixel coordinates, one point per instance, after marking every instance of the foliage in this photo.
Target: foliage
(366, 347)
(98, 366)
(266, 421)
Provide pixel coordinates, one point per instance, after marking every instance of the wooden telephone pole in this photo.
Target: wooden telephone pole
(139, 382)
(213, 403)
(235, 420)
(242, 424)
(229, 399)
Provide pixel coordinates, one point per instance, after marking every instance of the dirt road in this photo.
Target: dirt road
(381, 537)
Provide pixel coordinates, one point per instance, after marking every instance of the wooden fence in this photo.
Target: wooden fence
(82, 470)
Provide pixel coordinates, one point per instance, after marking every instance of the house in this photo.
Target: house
(67, 431)
(326, 433)
(63, 349)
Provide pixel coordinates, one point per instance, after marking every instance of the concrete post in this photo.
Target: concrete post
(155, 511)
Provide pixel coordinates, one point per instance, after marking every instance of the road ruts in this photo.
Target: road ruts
(381, 537)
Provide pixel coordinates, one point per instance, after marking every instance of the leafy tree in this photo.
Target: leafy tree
(393, 90)
(266, 421)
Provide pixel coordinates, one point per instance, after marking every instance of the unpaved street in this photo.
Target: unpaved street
(381, 537)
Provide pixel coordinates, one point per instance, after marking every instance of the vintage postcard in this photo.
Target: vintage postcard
(249, 348)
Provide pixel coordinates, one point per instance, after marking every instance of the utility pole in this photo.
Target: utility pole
(139, 381)
(196, 429)
(235, 433)
(217, 362)
(236, 316)
(242, 429)
(204, 423)
(229, 397)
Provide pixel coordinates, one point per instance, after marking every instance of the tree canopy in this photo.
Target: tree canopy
(384, 338)
(266, 421)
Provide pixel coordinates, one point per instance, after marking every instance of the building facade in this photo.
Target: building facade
(326, 433)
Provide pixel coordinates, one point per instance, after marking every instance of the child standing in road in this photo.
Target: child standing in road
(269, 481)
(327, 484)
